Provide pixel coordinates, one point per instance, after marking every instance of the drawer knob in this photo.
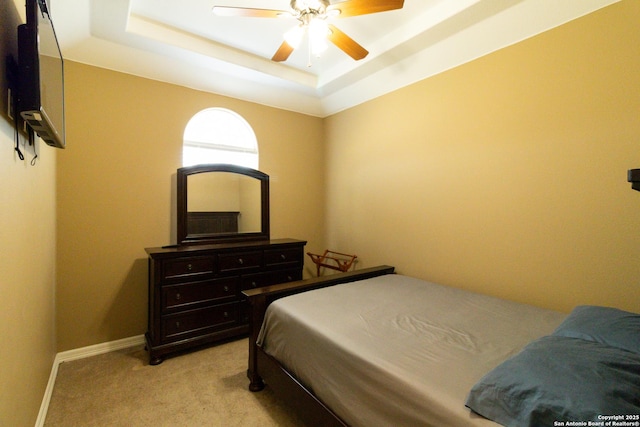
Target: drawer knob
(254, 284)
(177, 325)
(283, 256)
(226, 314)
(289, 278)
(189, 267)
(178, 296)
(240, 261)
(226, 289)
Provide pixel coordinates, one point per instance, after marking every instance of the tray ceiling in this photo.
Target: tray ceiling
(185, 44)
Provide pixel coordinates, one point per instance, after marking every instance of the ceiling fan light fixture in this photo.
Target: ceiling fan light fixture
(318, 29)
(313, 15)
(294, 36)
(318, 32)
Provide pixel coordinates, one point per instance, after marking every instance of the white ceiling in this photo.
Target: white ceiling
(182, 42)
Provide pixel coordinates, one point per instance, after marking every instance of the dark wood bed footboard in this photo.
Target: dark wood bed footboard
(263, 367)
(304, 403)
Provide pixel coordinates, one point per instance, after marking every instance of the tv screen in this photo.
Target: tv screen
(41, 92)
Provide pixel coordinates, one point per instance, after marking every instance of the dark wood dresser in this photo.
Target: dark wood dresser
(195, 291)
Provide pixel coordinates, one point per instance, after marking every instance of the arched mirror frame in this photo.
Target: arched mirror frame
(184, 238)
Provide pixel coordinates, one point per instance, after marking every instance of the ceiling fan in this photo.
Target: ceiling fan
(313, 15)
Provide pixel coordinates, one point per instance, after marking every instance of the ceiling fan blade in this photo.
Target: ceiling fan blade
(283, 52)
(346, 43)
(364, 7)
(248, 12)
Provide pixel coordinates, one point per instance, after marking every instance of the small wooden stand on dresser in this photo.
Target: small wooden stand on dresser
(195, 291)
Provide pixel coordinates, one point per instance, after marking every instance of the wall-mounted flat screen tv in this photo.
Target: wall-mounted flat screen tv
(41, 88)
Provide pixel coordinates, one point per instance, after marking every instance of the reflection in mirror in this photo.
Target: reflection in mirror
(222, 203)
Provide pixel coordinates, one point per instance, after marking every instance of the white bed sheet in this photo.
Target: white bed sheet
(398, 351)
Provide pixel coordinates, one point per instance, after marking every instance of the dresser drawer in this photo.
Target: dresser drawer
(199, 322)
(258, 280)
(283, 257)
(285, 276)
(187, 295)
(239, 261)
(195, 293)
(180, 268)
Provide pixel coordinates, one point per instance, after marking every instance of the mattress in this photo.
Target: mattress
(396, 350)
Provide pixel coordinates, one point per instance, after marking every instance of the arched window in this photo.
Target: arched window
(218, 135)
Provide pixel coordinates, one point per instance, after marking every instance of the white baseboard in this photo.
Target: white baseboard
(81, 353)
(94, 350)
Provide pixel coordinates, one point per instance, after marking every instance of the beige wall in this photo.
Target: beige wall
(115, 191)
(506, 175)
(27, 279)
(27, 257)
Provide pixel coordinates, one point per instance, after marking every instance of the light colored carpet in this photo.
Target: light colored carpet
(202, 388)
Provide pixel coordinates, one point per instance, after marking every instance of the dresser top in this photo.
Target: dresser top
(259, 244)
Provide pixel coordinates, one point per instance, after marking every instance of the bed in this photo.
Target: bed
(371, 348)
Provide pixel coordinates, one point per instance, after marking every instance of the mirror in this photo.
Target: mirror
(219, 203)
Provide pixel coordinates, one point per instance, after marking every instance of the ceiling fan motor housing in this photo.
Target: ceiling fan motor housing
(316, 7)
